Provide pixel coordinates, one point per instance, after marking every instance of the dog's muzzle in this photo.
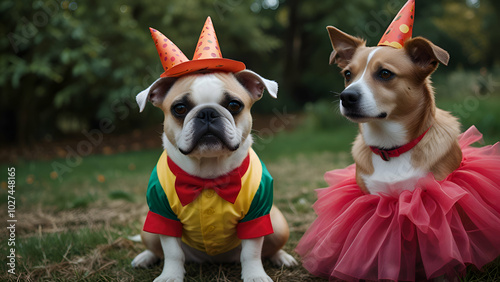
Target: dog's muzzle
(209, 129)
(350, 99)
(354, 109)
(350, 102)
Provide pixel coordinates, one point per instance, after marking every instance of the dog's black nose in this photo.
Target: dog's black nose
(349, 98)
(208, 114)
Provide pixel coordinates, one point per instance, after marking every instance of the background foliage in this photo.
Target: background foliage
(70, 73)
(67, 65)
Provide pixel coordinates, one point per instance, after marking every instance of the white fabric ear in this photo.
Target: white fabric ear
(270, 85)
(142, 97)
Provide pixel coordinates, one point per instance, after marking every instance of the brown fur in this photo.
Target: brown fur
(362, 156)
(408, 100)
(440, 152)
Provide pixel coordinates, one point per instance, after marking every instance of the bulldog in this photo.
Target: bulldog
(210, 197)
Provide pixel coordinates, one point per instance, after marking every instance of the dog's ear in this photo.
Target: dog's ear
(155, 93)
(255, 84)
(344, 46)
(425, 54)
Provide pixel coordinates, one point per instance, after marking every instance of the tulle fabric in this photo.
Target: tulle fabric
(437, 229)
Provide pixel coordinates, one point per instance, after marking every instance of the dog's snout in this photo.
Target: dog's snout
(349, 98)
(208, 114)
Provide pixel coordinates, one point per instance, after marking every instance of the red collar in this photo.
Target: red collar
(227, 186)
(386, 155)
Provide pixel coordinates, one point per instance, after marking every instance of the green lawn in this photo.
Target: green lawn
(77, 228)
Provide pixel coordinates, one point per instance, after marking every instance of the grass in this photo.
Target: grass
(59, 242)
(76, 229)
(94, 178)
(304, 142)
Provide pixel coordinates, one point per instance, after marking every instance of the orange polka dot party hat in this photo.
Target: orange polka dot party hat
(401, 27)
(207, 56)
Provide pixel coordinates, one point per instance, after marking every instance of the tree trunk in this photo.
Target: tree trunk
(293, 45)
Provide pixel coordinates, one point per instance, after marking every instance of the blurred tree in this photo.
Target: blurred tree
(466, 28)
(473, 32)
(492, 24)
(69, 65)
(307, 74)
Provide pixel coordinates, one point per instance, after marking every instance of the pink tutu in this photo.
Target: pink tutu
(437, 229)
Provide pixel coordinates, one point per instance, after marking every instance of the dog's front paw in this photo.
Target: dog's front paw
(168, 278)
(257, 279)
(254, 273)
(145, 259)
(282, 258)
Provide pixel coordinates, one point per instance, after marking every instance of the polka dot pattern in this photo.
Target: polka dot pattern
(404, 28)
(208, 46)
(401, 27)
(169, 54)
(392, 44)
(207, 56)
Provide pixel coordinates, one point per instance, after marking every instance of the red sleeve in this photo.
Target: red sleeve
(158, 224)
(254, 228)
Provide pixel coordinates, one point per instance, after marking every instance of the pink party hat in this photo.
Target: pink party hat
(401, 27)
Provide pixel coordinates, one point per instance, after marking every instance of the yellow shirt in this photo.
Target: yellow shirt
(209, 223)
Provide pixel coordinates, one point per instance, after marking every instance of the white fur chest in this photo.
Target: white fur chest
(397, 174)
(394, 176)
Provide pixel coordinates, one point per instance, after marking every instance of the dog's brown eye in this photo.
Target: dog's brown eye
(385, 74)
(234, 107)
(180, 109)
(347, 76)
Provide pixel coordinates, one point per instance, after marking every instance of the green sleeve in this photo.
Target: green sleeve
(157, 200)
(263, 199)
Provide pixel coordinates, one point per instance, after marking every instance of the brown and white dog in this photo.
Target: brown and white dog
(402, 135)
(207, 134)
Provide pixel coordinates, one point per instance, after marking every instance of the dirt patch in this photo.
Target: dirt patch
(49, 220)
(101, 263)
(89, 265)
(105, 144)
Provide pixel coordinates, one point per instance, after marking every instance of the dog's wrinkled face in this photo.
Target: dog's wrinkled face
(207, 115)
(383, 82)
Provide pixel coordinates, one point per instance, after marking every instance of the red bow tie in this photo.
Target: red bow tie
(227, 186)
